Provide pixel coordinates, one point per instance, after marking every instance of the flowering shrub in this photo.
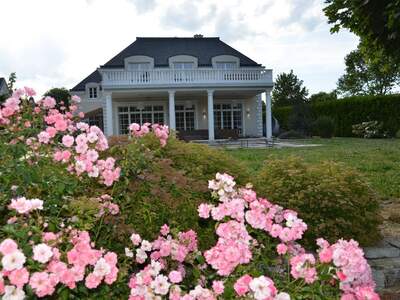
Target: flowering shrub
(369, 130)
(57, 132)
(160, 131)
(76, 246)
(63, 258)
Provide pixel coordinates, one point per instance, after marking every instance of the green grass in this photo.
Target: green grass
(377, 159)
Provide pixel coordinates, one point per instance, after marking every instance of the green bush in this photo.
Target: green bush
(353, 110)
(324, 127)
(166, 185)
(332, 199)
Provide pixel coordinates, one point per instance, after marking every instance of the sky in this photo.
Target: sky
(57, 43)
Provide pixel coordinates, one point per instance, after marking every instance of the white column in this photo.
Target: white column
(109, 115)
(171, 104)
(210, 107)
(268, 114)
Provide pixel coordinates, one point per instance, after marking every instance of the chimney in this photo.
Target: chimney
(198, 36)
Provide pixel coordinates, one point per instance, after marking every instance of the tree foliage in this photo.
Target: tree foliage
(11, 81)
(288, 90)
(376, 22)
(368, 73)
(323, 96)
(61, 95)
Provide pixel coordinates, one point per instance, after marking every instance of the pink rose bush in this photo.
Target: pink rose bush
(59, 133)
(160, 131)
(65, 258)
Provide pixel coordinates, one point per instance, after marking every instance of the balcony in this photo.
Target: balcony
(242, 77)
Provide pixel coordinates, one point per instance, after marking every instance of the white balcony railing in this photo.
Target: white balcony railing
(171, 77)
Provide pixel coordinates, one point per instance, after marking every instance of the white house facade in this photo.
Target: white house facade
(201, 87)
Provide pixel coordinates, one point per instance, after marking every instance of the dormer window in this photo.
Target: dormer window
(138, 66)
(92, 92)
(226, 65)
(183, 65)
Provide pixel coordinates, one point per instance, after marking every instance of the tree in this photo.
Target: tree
(376, 22)
(288, 90)
(368, 73)
(61, 95)
(323, 97)
(11, 81)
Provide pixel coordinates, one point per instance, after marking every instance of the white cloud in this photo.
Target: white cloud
(58, 43)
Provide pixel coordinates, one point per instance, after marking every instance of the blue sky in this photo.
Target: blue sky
(57, 43)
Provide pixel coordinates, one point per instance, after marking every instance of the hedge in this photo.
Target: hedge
(352, 110)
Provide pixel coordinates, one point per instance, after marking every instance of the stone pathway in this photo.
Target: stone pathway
(384, 260)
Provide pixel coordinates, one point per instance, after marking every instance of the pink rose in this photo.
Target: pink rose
(8, 246)
(175, 276)
(241, 286)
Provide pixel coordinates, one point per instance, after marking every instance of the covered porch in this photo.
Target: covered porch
(195, 114)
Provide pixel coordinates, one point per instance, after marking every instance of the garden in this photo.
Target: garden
(151, 217)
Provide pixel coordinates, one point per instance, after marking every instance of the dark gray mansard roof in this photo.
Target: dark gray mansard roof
(163, 48)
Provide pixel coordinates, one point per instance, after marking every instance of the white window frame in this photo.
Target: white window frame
(184, 111)
(142, 111)
(183, 65)
(141, 66)
(90, 88)
(223, 65)
(233, 102)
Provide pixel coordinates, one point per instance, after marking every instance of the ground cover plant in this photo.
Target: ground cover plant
(69, 228)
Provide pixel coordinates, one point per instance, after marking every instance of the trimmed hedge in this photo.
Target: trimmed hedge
(352, 110)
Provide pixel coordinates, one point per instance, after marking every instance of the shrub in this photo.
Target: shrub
(369, 130)
(353, 110)
(324, 126)
(300, 119)
(291, 134)
(166, 185)
(332, 199)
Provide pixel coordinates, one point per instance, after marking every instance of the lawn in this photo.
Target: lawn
(377, 159)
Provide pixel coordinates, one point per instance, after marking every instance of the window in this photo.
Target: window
(184, 117)
(183, 65)
(134, 114)
(227, 65)
(138, 66)
(96, 120)
(228, 116)
(92, 92)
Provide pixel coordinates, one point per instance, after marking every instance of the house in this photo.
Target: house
(3, 87)
(201, 87)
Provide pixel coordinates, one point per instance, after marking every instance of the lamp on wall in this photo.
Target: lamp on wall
(204, 114)
(248, 112)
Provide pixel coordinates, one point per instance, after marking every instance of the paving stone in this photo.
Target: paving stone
(381, 252)
(379, 278)
(385, 263)
(386, 272)
(394, 242)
